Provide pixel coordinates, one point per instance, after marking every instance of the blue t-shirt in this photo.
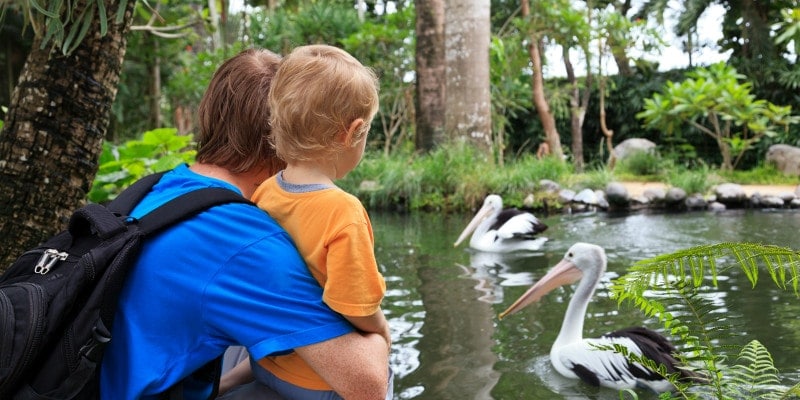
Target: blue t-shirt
(231, 275)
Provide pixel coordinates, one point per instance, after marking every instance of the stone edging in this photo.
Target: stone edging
(616, 198)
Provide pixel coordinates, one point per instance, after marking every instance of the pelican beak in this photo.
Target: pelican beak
(484, 212)
(564, 273)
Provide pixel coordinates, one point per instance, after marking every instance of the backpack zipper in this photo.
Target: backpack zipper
(36, 311)
(48, 259)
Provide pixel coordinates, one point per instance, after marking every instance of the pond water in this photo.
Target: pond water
(442, 302)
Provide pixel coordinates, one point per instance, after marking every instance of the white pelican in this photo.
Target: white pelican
(578, 358)
(503, 230)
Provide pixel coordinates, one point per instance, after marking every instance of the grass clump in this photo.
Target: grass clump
(698, 180)
(453, 177)
(761, 175)
(642, 164)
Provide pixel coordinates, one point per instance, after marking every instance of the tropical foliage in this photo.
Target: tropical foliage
(670, 288)
(714, 102)
(120, 165)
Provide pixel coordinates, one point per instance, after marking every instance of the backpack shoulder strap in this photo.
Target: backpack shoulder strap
(187, 205)
(133, 194)
(178, 209)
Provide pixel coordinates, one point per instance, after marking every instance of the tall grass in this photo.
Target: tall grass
(698, 180)
(760, 175)
(457, 177)
(452, 178)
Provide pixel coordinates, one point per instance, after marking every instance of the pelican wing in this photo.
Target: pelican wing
(516, 224)
(589, 361)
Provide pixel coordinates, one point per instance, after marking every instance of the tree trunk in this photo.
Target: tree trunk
(620, 52)
(539, 99)
(579, 103)
(431, 74)
(608, 133)
(469, 103)
(54, 131)
(622, 60)
(154, 90)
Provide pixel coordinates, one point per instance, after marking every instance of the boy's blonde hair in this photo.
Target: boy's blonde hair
(318, 91)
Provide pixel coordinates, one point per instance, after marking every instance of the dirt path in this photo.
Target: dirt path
(637, 188)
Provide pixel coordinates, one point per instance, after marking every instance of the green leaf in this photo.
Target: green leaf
(102, 16)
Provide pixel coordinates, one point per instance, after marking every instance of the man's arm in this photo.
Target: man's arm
(355, 365)
(375, 323)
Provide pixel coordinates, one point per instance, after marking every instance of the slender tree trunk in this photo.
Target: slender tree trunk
(579, 103)
(622, 60)
(53, 136)
(608, 133)
(154, 93)
(216, 35)
(620, 52)
(431, 74)
(469, 105)
(539, 100)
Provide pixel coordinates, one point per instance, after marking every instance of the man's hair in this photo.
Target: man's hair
(318, 92)
(234, 114)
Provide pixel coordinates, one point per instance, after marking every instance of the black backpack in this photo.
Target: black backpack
(57, 301)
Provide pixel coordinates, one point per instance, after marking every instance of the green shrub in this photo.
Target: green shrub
(641, 163)
(158, 150)
(699, 180)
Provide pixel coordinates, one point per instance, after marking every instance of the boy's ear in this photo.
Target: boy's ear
(354, 127)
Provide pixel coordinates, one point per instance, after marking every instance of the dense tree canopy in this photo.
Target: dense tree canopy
(171, 47)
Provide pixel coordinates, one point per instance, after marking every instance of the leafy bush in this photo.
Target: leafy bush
(699, 180)
(158, 150)
(641, 163)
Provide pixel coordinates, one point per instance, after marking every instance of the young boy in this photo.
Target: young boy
(322, 103)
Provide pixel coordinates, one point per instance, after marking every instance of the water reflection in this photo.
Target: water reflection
(491, 271)
(442, 302)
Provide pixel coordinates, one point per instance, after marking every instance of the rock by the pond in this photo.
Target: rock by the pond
(695, 202)
(786, 158)
(772, 202)
(566, 195)
(730, 193)
(716, 207)
(616, 198)
(617, 194)
(654, 195)
(633, 145)
(586, 196)
(675, 196)
(549, 186)
(602, 202)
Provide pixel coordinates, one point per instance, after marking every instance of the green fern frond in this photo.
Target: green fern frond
(670, 288)
(791, 393)
(755, 377)
(700, 263)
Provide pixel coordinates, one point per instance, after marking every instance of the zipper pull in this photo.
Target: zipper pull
(48, 259)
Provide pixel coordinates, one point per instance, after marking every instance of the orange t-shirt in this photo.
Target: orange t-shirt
(333, 233)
